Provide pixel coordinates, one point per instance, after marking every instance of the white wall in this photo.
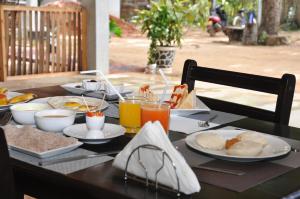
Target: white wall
(115, 8)
(32, 2)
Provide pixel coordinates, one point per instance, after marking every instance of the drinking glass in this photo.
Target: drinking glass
(130, 114)
(154, 111)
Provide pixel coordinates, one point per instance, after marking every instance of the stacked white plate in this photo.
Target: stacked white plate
(80, 131)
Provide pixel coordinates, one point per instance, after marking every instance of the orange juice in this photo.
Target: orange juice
(130, 115)
(155, 112)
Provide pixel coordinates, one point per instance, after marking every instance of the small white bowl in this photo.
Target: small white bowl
(90, 85)
(24, 113)
(54, 120)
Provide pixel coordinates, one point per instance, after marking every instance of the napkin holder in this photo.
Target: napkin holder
(165, 156)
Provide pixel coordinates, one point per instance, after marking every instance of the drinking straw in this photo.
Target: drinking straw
(85, 103)
(102, 101)
(166, 86)
(106, 80)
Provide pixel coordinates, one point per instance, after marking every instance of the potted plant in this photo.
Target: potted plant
(164, 24)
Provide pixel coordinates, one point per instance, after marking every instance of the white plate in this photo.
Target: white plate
(56, 102)
(9, 95)
(200, 107)
(79, 132)
(276, 147)
(71, 87)
(49, 153)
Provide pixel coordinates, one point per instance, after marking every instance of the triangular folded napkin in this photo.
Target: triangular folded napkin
(154, 134)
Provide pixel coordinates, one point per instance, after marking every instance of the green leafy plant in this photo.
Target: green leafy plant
(262, 38)
(165, 21)
(114, 28)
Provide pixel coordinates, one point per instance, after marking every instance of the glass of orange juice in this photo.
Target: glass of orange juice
(130, 113)
(154, 111)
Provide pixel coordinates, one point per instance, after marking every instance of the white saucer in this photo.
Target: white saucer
(79, 131)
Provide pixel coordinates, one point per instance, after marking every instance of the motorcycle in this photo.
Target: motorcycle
(217, 22)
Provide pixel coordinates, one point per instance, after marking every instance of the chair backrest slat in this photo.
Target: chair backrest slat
(282, 87)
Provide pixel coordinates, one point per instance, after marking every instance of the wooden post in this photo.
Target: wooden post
(3, 57)
(84, 40)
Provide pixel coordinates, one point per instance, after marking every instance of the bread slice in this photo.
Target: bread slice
(180, 92)
(189, 102)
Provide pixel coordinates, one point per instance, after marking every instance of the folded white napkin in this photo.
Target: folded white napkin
(153, 133)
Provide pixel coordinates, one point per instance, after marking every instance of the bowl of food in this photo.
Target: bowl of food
(54, 120)
(24, 113)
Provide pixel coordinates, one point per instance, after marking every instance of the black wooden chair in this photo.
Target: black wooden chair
(284, 89)
(7, 189)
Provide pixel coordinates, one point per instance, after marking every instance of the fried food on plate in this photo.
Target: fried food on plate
(3, 100)
(245, 148)
(253, 136)
(231, 142)
(3, 90)
(73, 105)
(210, 141)
(22, 98)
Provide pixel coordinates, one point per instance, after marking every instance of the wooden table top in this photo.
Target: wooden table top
(104, 181)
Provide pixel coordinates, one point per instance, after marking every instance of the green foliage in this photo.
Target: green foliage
(114, 28)
(262, 38)
(165, 20)
(233, 6)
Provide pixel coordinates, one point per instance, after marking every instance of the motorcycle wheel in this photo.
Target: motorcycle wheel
(211, 32)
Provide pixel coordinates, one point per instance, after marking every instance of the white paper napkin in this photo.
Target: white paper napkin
(154, 134)
(187, 125)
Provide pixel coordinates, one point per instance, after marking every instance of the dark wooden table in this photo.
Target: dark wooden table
(104, 181)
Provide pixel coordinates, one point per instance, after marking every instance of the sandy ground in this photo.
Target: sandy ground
(214, 52)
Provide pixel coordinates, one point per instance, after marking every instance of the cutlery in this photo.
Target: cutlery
(206, 123)
(79, 157)
(228, 171)
(200, 113)
(6, 118)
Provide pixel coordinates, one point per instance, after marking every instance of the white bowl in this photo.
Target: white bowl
(91, 85)
(54, 120)
(24, 113)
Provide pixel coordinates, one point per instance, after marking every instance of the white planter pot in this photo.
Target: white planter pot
(165, 58)
(151, 69)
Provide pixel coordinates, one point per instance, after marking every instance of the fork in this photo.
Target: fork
(6, 118)
(206, 123)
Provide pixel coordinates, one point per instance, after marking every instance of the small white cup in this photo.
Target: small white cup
(91, 85)
(110, 91)
(95, 125)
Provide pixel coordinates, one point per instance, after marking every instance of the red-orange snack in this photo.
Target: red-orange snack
(231, 142)
(95, 114)
(145, 88)
(178, 94)
(3, 99)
